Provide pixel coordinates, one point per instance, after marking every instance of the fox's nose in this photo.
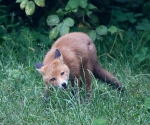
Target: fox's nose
(64, 85)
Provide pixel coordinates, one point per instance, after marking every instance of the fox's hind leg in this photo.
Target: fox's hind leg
(87, 79)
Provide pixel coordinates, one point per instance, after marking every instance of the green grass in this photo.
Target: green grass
(21, 99)
(22, 89)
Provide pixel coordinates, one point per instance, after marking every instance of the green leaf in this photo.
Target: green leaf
(53, 33)
(139, 57)
(52, 20)
(30, 8)
(69, 22)
(140, 27)
(23, 4)
(88, 13)
(92, 35)
(101, 30)
(91, 7)
(138, 14)
(40, 3)
(120, 16)
(130, 17)
(83, 3)
(63, 29)
(68, 9)
(19, 1)
(148, 37)
(132, 20)
(144, 25)
(44, 39)
(59, 26)
(72, 5)
(100, 38)
(113, 29)
(144, 51)
(60, 13)
(94, 19)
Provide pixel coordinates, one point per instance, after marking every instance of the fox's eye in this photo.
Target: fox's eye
(52, 79)
(62, 73)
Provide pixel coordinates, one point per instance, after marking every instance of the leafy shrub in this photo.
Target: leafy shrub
(101, 20)
(7, 21)
(84, 15)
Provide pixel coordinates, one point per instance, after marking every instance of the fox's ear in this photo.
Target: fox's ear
(58, 55)
(39, 67)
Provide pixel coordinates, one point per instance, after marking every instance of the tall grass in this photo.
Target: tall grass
(21, 96)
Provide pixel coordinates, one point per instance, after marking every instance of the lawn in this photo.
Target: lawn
(22, 88)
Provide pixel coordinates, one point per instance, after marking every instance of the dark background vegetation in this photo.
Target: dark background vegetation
(131, 17)
(120, 30)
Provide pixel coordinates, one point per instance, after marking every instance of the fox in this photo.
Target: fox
(74, 56)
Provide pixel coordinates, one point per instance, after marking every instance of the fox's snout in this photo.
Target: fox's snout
(64, 85)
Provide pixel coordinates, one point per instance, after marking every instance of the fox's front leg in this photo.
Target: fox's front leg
(47, 92)
(88, 84)
(88, 88)
(75, 87)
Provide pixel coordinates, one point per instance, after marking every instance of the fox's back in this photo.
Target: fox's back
(73, 46)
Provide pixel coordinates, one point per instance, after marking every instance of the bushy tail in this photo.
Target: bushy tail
(107, 77)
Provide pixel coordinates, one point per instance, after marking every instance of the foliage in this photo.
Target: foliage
(121, 32)
(101, 20)
(80, 9)
(85, 15)
(7, 21)
(29, 6)
(23, 43)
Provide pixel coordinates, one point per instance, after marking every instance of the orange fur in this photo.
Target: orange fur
(77, 54)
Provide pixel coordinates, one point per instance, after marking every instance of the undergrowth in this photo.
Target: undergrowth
(22, 88)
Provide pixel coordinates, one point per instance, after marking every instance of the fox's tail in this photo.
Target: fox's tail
(107, 77)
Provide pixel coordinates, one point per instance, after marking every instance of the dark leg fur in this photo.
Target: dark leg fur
(76, 88)
(87, 80)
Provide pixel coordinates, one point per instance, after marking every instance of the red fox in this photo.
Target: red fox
(73, 56)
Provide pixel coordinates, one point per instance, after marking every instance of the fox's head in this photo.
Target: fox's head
(56, 72)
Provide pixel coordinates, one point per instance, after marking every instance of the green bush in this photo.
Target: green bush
(126, 21)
